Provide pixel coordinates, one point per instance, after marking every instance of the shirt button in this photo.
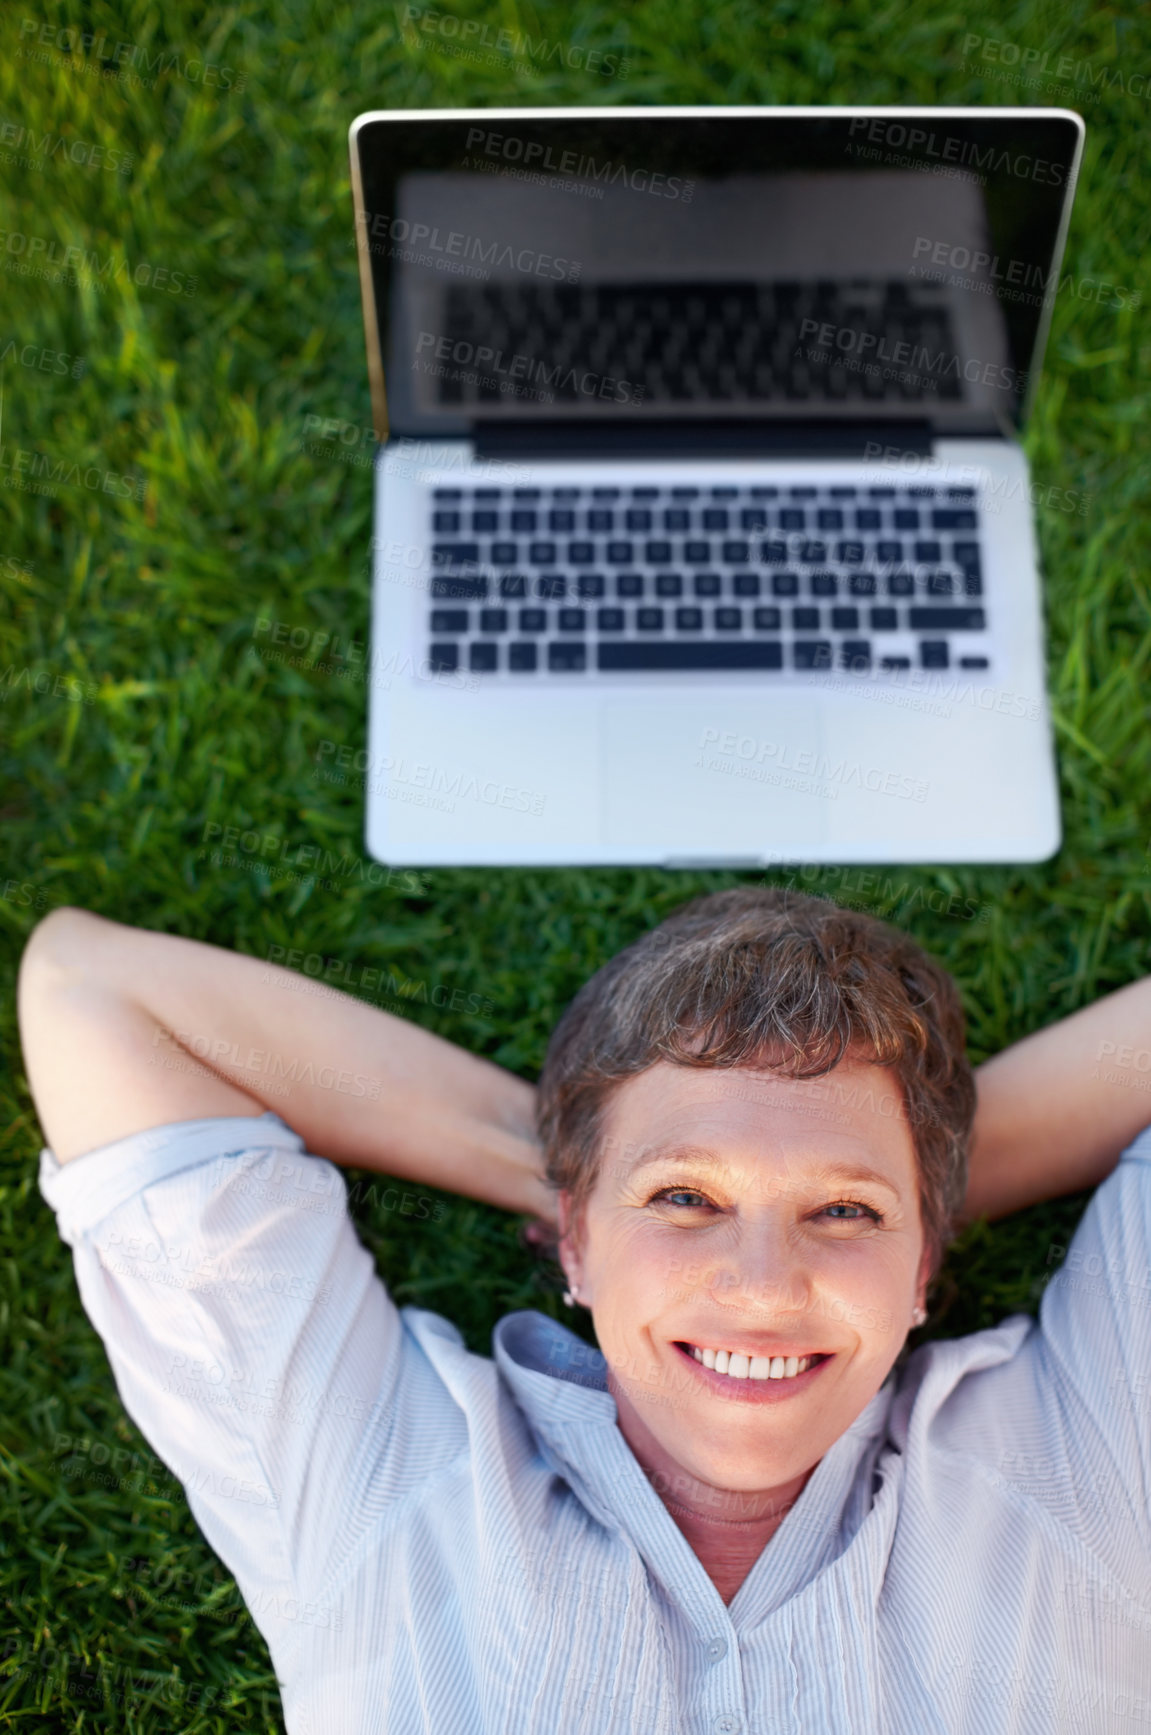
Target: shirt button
(716, 1648)
(726, 1724)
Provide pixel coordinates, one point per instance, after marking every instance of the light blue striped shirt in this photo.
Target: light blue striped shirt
(432, 1540)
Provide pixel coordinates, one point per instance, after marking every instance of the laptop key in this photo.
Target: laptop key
(493, 620)
(689, 620)
(905, 518)
(567, 659)
(505, 553)
(657, 553)
(792, 518)
(533, 620)
(773, 553)
(695, 552)
(668, 584)
(542, 553)
(824, 584)
(745, 584)
(933, 654)
(684, 654)
(581, 553)
(444, 658)
(805, 620)
(974, 663)
(729, 620)
(458, 588)
(483, 659)
(900, 584)
(889, 552)
(845, 620)
(926, 552)
(861, 583)
(629, 584)
(812, 653)
(706, 584)
(619, 553)
(589, 585)
(513, 586)
(883, 620)
(455, 553)
(449, 620)
(869, 517)
(953, 518)
(766, 619)
(895, 662)
(649, 620)
(784, 584)
(966, 620)
(850, 553)
(573, 620)
(522, 658)
(609, 620)
(942, 584)
(445, 521)
(855, 654)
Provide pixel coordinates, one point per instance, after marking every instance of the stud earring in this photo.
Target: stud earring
(570, 1297)
(919, 1316)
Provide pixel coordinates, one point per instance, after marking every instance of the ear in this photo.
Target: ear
(571, 1237)
(921, 1278)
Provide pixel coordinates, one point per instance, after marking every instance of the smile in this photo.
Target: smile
(754, 1378)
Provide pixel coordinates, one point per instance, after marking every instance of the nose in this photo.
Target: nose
(761, 1274)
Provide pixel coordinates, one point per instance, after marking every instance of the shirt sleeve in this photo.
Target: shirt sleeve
(1095, 1338)
(251, 1339)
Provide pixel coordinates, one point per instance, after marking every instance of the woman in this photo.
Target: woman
(749, 1513)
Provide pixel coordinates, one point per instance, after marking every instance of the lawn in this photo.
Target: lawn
(170, 391)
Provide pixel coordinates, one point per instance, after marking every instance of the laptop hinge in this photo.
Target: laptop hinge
(540, 440)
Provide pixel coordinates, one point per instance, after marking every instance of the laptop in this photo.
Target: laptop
(702, 529)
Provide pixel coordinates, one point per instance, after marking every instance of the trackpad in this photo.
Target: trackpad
(713, 776)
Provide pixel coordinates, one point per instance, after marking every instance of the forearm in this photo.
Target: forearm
(1055, 1112)
(359, 1085)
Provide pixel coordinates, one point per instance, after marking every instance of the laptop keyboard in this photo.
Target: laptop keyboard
(532, 582)
(700, 342)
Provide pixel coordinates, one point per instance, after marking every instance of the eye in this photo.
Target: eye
(852, 1205)
(669, 1194)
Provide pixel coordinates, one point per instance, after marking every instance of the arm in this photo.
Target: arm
(124, 1029)
(1055, 1112)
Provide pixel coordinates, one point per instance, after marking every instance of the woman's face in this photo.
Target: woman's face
(738, 1210)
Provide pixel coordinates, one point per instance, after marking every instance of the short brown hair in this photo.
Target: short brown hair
(773, 978)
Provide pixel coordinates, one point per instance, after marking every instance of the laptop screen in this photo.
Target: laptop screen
(779, 266)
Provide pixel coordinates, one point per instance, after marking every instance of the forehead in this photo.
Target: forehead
(750, 1114)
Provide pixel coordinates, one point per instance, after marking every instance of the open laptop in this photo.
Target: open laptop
(703, 534)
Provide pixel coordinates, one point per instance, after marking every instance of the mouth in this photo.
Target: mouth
(753, 1379)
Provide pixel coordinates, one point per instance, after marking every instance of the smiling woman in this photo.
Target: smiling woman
(738, 1514)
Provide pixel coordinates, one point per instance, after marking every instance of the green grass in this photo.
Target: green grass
(151, 603)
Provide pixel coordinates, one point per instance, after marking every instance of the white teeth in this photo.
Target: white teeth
(757, 1367)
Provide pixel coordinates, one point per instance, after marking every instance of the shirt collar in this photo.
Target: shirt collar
(560, 1384)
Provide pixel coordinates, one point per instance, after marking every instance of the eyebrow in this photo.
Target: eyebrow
(699, 1154)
